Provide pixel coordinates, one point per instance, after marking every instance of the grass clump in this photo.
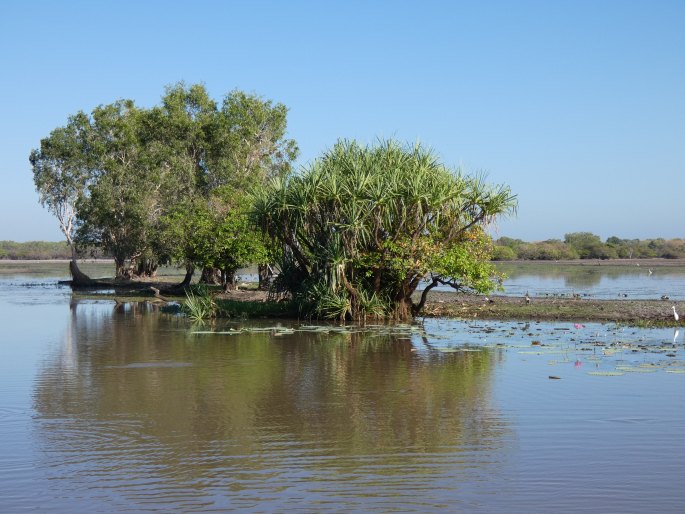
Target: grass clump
(247, 310)
(199, 303)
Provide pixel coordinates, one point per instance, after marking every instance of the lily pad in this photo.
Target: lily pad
(631, 369)
(212, 332)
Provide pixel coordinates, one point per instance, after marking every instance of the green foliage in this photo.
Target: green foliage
(503, 253)
(141, 184)
(222, 235)
(470, 260)
(552, 249)
(585, 245)
(34, 250)
(199, 304)
(509, 242)
(251, 310)
(61, 172)
(366, 224)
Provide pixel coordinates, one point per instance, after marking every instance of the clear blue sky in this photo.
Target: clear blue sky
(578, 105)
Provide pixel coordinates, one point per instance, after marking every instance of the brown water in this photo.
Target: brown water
(111, 409)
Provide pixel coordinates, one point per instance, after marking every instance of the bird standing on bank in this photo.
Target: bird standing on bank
(675, 314)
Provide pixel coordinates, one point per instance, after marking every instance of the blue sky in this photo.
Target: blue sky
(578, 105)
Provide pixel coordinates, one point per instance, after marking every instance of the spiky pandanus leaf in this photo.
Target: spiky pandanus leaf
(372, 222)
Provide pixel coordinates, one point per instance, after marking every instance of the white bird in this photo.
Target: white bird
(675, 314)
(650, 271)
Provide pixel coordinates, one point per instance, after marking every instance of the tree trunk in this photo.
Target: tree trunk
(146, 268)
(122, 272)
(424, 296)
(78, 278)
(403, 309)
(266, 275)
(228, 280)
(190, 271)
(211, 276)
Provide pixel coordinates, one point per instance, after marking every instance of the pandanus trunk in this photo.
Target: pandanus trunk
(266, 274)
(404, 309)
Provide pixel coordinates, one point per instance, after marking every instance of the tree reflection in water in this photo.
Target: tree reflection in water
(206, 419)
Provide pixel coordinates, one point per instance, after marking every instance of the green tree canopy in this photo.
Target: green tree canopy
(60, 171)
(362, 227)
(116, 178)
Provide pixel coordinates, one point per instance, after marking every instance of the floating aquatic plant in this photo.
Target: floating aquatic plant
(633, 369)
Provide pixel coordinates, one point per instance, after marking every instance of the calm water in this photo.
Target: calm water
(110, 409)
(602, 281)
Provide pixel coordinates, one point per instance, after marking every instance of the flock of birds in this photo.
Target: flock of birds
(663, 297)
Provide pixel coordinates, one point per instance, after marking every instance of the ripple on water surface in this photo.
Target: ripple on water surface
(115, 410)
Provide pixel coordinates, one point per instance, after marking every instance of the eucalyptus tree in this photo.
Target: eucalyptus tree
(124, 188)
(216, 150)
(252, 148)
(363, 227)
(251, 145)
(177, 136)
(118, 177)
(61, 176)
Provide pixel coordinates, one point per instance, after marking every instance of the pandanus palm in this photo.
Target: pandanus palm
(370, 223)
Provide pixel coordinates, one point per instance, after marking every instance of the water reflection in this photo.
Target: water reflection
(357, 420)
(600, 281)
(108, 408)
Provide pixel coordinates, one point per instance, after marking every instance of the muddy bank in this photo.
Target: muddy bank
(452, 305)
(648, 312)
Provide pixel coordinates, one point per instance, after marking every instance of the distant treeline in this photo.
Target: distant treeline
(34, 250)
(577, 245)
(585, 245)
(38, 250)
